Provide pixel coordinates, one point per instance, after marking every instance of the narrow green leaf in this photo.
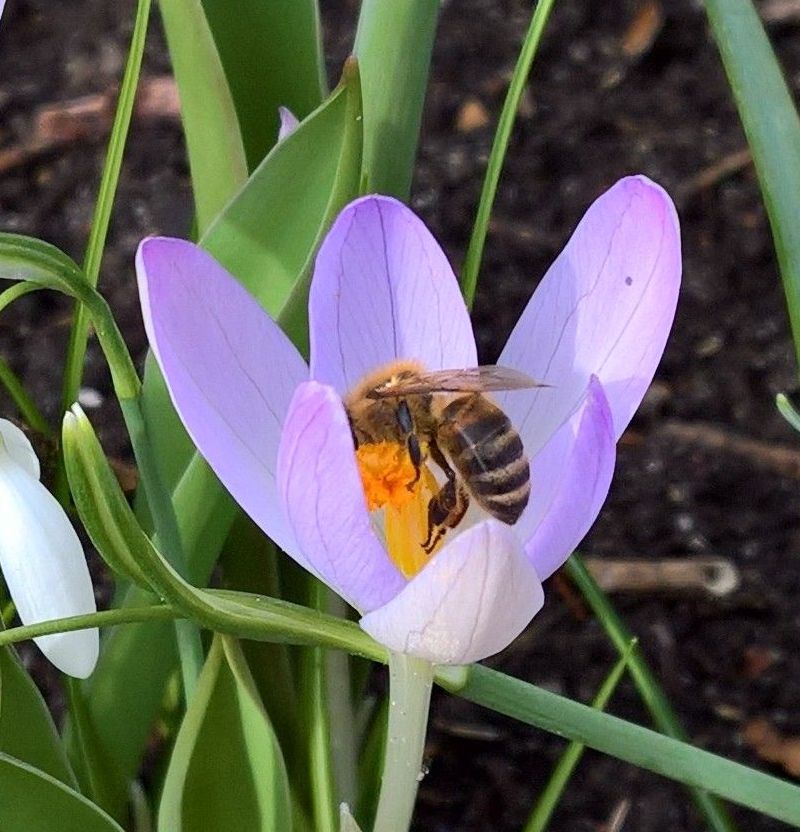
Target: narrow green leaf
(316, 726)
(654, 698)
(250, 563)
(271, 52)
(393, 46)
(225, 732)
(98, 497)
(28, 409)
(32, 801)
(27, 731)
(551, 794)
(472, 262)
(786, 409)
(37, 262)
(98, 776)
(634, 744)
(16, 291)
(95, 246)
(772, 127)
(371, 765)
(213, 139)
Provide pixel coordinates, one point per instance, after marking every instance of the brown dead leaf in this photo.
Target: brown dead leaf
(471, 116)
(643, 29)
(771, 746)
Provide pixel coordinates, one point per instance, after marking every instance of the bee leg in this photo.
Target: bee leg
(445, 511)
(406, 422)
(441, 460)
(415, 452)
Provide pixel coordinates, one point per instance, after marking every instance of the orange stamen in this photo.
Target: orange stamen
(387, 474)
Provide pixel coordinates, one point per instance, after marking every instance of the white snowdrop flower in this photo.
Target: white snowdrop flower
(41, 557)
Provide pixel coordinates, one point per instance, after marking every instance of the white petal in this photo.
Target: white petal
(45, 568)
(472, 600)
(19, 448)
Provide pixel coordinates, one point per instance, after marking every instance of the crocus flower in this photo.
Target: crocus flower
(277, 434)
(41, 557)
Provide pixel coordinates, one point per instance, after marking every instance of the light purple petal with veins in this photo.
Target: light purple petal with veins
(469, 602)
(230, 370)
(383, 290)
(604, 308)
(289, 123)
(575, 474)
(323, 498)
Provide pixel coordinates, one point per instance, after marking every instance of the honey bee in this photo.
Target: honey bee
(445, 416)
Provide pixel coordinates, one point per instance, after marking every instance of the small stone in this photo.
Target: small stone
(471, 116)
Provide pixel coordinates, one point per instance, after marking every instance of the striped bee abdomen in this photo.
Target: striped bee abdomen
(487, 452)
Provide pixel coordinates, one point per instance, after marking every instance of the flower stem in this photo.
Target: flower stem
(410, 681)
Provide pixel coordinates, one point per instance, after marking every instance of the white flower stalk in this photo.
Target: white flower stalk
(41, 557)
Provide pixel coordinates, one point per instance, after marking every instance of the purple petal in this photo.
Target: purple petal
(604, 308)
(383, 290)
(469, 602)
(289, 123)
(230, 370)
(323, 498)
(575, 470)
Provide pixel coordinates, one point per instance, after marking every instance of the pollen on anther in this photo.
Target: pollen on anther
(386, 473)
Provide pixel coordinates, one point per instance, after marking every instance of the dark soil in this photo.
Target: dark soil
(591, 115)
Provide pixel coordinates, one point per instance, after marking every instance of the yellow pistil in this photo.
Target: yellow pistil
(387, 474)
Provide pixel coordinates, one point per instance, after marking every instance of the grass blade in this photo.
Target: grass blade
(22, 398)
(472, 262)
(76, 351)
(652, 695)
(551, 794)
(772, 127)
(633, 743)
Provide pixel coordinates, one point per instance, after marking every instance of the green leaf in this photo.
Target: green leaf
(494, 167)
(35, 261)
(226, 771)
(27, 731)
(32, 801)
(27, 407)
(654, 698)
(213, 139)
(786, 409)
(551, 794)
(772, 127)
(393, 46)
(101, 505)
(98, 776)
(268, 235)
(633, 743)
(272, 55)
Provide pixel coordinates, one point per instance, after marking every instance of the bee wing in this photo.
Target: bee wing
(468, 380)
